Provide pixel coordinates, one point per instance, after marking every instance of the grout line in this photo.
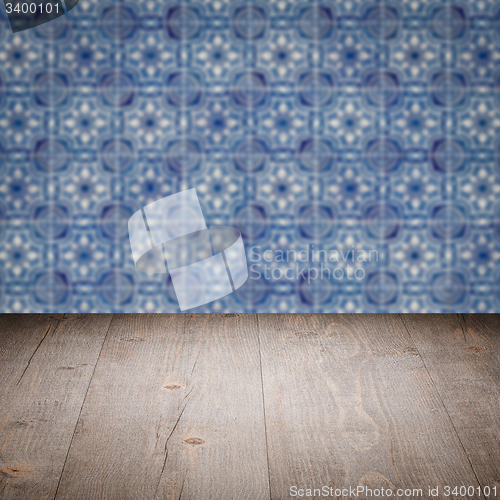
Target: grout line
(444, 406)
(81, 407)
(36, 350)
(264, 406)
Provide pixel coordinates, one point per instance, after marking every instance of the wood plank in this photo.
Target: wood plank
(462, 354)
(174, 408)
(47, 364)
(349, 402)
(20, 337)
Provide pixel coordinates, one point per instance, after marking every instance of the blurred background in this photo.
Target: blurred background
(354, 128)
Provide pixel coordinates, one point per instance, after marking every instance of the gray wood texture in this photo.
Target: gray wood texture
(46, 367)
(174, 409)
(349, 402)
(242, 406)
(462, 355)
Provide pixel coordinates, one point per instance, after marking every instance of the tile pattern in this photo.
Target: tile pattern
(338, 126)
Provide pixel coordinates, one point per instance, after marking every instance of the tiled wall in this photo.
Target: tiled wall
(365, 129)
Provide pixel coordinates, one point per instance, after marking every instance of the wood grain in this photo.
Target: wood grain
(462, 355)
(174, 410)
(46, 366)
(246, 406)
(349, 402)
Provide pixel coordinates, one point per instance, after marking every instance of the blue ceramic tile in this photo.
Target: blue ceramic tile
(354, 144)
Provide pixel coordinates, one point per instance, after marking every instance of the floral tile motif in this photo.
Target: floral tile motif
(355, 145)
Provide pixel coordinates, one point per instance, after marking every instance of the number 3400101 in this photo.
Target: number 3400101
(470, 491)
(32, 8)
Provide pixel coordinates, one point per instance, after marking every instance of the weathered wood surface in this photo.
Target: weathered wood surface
(174, 409)
(462, 355)
(246, 406)
(349, 402)
(46, 365)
